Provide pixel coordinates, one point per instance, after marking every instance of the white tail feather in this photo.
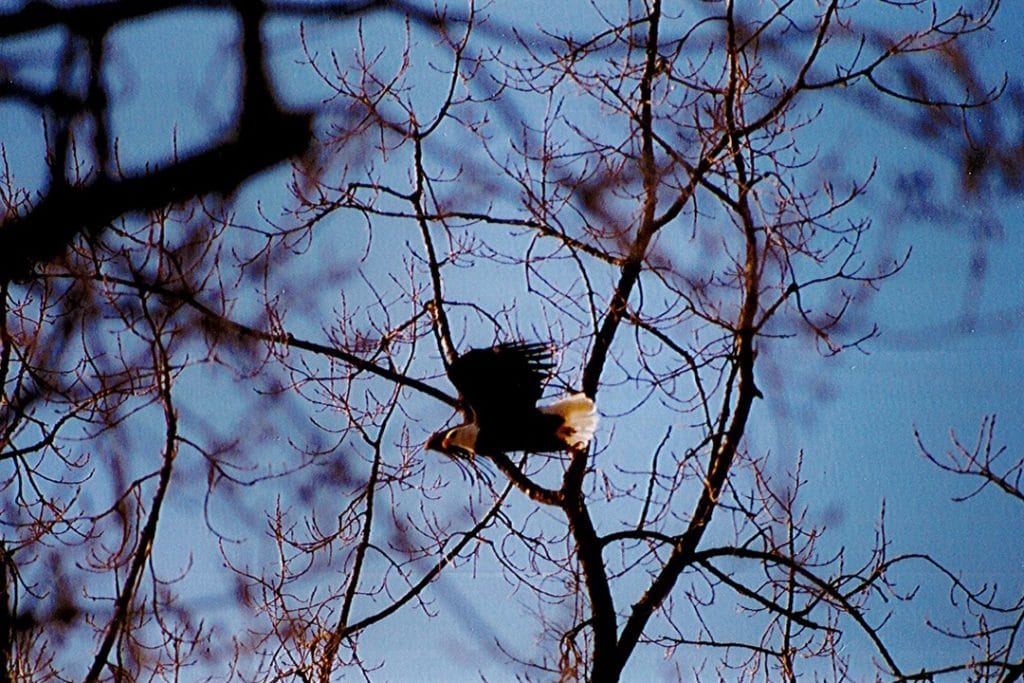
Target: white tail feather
(580, 416)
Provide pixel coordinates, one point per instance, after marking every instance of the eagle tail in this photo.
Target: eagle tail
(579, 419)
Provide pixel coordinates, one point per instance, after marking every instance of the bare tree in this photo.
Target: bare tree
(991, 619)
(214, 406)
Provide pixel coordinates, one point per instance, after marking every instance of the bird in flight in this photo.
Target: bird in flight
(498, 392)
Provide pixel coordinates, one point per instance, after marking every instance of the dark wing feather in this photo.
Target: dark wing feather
(503, 380)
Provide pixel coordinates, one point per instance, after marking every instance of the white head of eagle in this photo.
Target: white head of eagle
(498, 392)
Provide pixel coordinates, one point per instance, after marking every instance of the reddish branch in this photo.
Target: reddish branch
(729, 165)
(733, 418)
(428, 577)
(218, 323)
(608, 657)
(264, 136)
(99, 17)
(121, 619)
(7, 615)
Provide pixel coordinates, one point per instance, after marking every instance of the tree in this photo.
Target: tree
(991, 621)
(215, 396)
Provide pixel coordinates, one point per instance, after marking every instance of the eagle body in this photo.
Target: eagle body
(498, 390)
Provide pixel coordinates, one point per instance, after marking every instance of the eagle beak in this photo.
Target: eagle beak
(436, 442)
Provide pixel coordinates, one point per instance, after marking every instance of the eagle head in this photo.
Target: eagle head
(456, 442)
(436, 442)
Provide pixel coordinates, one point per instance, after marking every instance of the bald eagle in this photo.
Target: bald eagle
(498, 392)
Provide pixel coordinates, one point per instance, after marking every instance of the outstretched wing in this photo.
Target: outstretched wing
(503, 380)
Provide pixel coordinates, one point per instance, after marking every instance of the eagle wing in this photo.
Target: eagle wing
(503, 380)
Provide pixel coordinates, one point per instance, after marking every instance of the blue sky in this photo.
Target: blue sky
(852, 416)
